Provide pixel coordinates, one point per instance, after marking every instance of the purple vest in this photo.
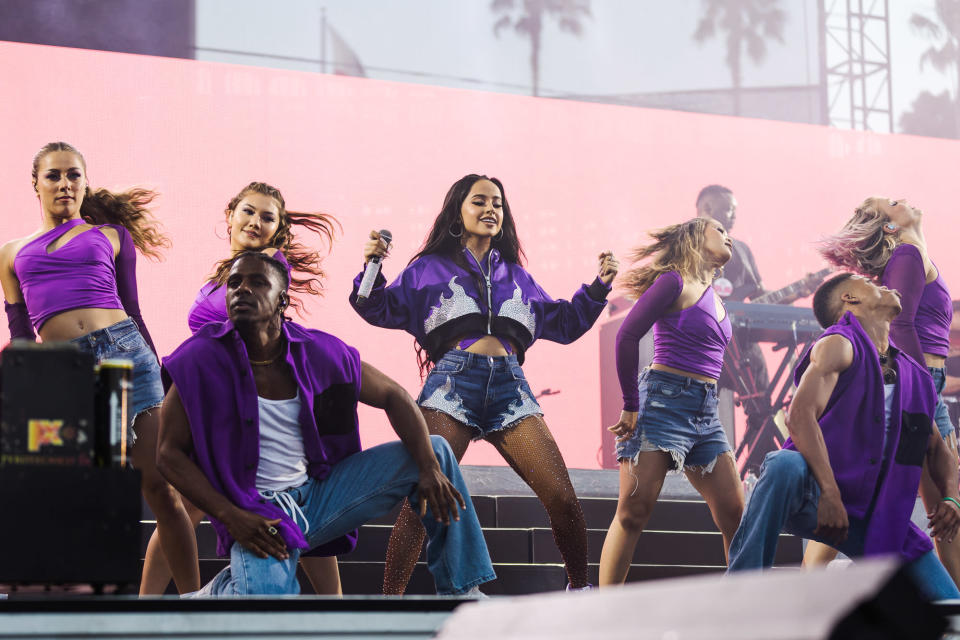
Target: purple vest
(853, 425)
(436, 300)
(213, 376)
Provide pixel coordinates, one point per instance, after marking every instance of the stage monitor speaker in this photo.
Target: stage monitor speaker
(64, 525)
(46, 405)
(873, 599)
(611, 398)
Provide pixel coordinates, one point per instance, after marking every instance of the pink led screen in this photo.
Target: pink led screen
(580, 177)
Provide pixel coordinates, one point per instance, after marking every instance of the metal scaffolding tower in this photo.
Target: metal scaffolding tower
(855, 54)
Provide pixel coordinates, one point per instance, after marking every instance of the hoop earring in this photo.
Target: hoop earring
(499, 236)
(458, 233)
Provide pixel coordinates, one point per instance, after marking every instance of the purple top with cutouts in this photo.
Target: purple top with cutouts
(691, 339)
(81, 274)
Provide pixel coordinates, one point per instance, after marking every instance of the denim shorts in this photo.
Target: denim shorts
(488, 393)
(941, 414)
(678, 415)
(123, 340)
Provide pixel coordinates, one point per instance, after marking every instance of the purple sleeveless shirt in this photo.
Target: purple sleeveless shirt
(213, 376)
(853, 431)
(923, 325)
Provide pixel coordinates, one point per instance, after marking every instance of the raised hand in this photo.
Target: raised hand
(609, 265)
(375, 246)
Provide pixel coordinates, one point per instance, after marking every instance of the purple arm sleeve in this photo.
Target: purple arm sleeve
(127, 282)
(649, 307)
(905, 273)
(19, 321)
(387, 306)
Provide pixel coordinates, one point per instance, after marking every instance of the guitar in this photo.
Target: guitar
(793, 291)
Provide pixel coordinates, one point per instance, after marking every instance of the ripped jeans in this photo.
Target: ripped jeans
(677, 415)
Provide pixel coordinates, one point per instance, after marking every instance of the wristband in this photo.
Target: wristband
(953, 500)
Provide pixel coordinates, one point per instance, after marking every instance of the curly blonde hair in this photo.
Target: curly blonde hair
(861, 245)
(675, 248)
(127, 208)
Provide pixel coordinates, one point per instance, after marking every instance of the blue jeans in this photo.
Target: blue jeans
(366, 485)
(123, 340)
(941, 415)
(677, 415)
(487, 393)
(785, 499)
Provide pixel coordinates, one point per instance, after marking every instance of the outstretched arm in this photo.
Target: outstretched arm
(435, 489)
(566, 320)
(829, 357)
(174, 449)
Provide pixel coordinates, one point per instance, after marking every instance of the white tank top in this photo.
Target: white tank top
(283, 462)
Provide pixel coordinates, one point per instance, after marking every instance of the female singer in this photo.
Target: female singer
(669, 421)
(474, 311)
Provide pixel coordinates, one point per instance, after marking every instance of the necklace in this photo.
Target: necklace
(264, 363)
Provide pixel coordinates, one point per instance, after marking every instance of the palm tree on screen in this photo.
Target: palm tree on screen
(747, 23)
(944, 30)
(527, 17)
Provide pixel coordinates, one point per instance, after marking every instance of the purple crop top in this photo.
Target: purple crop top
(923, 325)
(211, 302)
(691, 339)
(82, 273)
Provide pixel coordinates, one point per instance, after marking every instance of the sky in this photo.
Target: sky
(626, 46)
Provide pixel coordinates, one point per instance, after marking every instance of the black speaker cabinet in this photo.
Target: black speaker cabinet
(46, 405)
(66, 525)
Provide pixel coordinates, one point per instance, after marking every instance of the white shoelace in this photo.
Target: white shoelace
(288, 505)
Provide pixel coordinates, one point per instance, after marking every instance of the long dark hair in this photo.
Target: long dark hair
(127, 208)
(305, 262)
(446, 238)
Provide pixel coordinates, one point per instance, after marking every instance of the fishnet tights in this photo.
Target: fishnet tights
(532, 452)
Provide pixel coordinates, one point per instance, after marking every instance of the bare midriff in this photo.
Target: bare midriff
(78, 322)
(486, 346)
(934, 361)
(681, 372)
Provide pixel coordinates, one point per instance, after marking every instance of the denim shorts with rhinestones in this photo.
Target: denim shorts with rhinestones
(488, 393)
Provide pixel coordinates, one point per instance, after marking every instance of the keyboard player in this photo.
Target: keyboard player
(740, 280)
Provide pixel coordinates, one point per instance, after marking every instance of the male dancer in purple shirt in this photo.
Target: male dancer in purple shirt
(860, 433)
(259, 430)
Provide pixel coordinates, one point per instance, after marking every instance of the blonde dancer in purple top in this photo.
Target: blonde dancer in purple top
(258, 220)
(884, 240)
(74, 279)
(669, 419)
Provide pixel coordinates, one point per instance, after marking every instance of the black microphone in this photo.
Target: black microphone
(373, 268)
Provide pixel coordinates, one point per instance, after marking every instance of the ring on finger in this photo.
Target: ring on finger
(272, 530)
